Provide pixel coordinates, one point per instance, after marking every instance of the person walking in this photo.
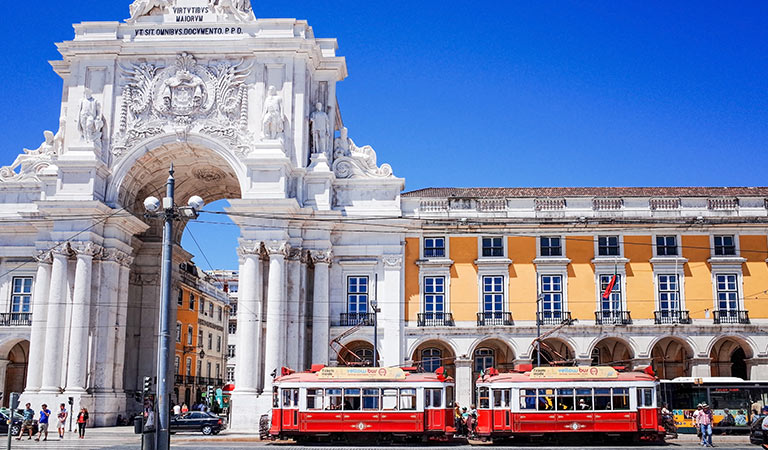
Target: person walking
(176, 410)
(82, 420)
(45, 415)
(184, 408)
(28, 420)
(61, 424)
(457, 418)
(705, 419)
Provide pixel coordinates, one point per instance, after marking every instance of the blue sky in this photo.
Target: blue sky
(537, 93)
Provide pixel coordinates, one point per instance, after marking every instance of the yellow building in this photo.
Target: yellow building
(491, 268)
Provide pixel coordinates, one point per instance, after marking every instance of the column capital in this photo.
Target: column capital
(44, 257)
(321, 256)
(392, 261)
(294, 254)
(250, 248)
(277, 248)
(306, 256)
(461, 362)
(62, 249)
(87, 249)
(116, 256)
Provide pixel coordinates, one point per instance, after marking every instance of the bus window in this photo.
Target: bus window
(584, 399)
(314, 399)
(333, 399)
(449, 396)
(546, 399)
(644, 398)
(603, 399)
(433, 398)
(371, 399)
(527, 398)
(389, 400)
(351, 399)
(482, 398)
(407, 399)
(565, 400)
(620, 399)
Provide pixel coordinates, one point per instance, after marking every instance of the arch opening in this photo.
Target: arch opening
(729, 358)
(357, 353)
(612, 351)
(671, 358)
(433, 354)
(554, 352)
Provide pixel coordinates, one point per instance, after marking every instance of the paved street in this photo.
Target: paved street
(124, 439)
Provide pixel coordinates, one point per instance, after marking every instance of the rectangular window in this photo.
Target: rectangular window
(501, 398)
(199, 367)
(232, 327)
(434, 297)
(218, 370)
(200, 338)
(552, 293)
(191, 301)
(210, 309)
(407, 399)
(352, 399)
(210, 341)
(493, 294)
(725, 246)
(230, 351)
(230, 374)
(177, 365)
(608, 246)
(551, 246)
(21, 296)
(493, 246)
(433, 398)
(314, 399)
(565, 400)
(218, 344)
(357, 295)
(666, 245)
(669, 293)
(434, 247)
(178, 333)
(189, 366)
(528, 399)
(727, 292)
(202, 306)
(208, 369)
(190, 335)
(371, 399)
(333, 399)
(220, 312)
(180, 300)
(614, 301)
(389, 399)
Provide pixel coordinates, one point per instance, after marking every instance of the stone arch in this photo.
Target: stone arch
(554, 351)
(421, 341)
(671, 357)
(447, 355)
(608, 350)
(729, 355)
(363, 349)
(500, 350)
(14, 360)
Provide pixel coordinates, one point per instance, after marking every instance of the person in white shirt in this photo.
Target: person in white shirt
(176, 410)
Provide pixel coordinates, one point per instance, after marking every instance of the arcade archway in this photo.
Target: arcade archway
(729, 358)
(15, 362)
(612, 351)
(433, 354)
(356, 353)
(554, 352)
(671, 358)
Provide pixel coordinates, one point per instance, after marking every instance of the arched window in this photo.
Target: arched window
(484, 359)
(596, 356)
(431, 359)
(365, 355)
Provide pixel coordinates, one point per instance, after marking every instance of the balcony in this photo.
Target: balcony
(494, 319)
(435, 320)
(665, 317)
(731, 316)
(554, 318)
(355, 319)
(613, 318)
(15, 319)
(178, 379)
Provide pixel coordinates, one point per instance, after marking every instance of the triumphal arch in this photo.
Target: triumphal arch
(246, 110)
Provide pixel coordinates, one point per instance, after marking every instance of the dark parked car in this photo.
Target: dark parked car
(757, 434)
(205, 422)
(16, 427)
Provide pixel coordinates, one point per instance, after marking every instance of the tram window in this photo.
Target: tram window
(584, 399)
(565, 400)
(482, 397)
(603, 399)
(433, 398)
(371, 399)
(644, 398)
(449, 396)
(333, 399)
(314, 399)
(389, 400)
(407, 399)
(275, 398)
(527, 398)
(351, 399)
(501, 398)
(546, 399)
(287, 398)
(620, 399)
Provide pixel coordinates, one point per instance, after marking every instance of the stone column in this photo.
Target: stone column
(291, 353)
(106, 314)
(757, 368)
(274, 345)
(321, 321)
(122, 322)
(464, 384)
(54, 333)
(302, 356)
(248, 321)
(39, 320)
(390, 322)
(701, 367)
(81, 315)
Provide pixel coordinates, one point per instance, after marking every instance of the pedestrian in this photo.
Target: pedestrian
(184, 408)
(176, 410)
(464, 419)
(695, 416)
(28, 421)
(705, 424)
(45, 414)
(457, 418)
(62, 422)
(82, 420)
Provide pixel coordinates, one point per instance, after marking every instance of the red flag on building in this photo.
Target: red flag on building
(609, 288)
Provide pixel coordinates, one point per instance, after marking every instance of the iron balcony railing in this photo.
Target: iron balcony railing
(435, 319)
(613, 318)
(179, 379)
(494, 319)
(15, 319)
(671, 316)
(731, 316)
(554, 318)
(354, 319)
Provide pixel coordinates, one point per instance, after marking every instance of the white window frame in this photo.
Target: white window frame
(678, 242)
(422, 289)
(739, 289)
(622, 284)
(620, 238)
(504, 295)
(446, 241)
(562, 246)
(368, 293)
(736, 243)
(680, 291)
(21, 295)
(178, 332)
(230, 374)
(563, 287)
(504, 250)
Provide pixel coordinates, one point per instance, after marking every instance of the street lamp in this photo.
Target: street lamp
(376, 310)
(539, 299)
(168, 212)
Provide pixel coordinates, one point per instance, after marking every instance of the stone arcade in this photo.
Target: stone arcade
(158, 89)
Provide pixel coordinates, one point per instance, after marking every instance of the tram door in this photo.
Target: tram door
(434, 411)
(290, 409)
(646, 409)
(501, 410)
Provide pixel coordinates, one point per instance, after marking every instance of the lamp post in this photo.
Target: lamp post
(539, 299)
(376, 311)
(168, 212)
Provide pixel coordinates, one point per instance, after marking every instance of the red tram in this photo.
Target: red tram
(552, 400)
(362, 404)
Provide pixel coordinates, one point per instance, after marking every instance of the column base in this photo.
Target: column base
(247, 409)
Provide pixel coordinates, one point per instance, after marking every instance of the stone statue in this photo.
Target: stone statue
(46, 148)
(90, 121)
(321, 130)
(272, 120)
(143, 7)
(241, 9)
(341, 144)
(58, 138)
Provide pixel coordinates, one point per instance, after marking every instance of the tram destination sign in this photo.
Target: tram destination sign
(361, 373)
(581, 373)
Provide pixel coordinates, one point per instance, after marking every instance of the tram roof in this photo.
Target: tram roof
(518, 377)
(314, 377)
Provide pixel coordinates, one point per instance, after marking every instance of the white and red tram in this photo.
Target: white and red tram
(366, 403)
(552, 400)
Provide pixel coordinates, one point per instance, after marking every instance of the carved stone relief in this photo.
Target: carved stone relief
(90, 120)
(351, 161)
(321, 256)
(238, 10)
(32, 162)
